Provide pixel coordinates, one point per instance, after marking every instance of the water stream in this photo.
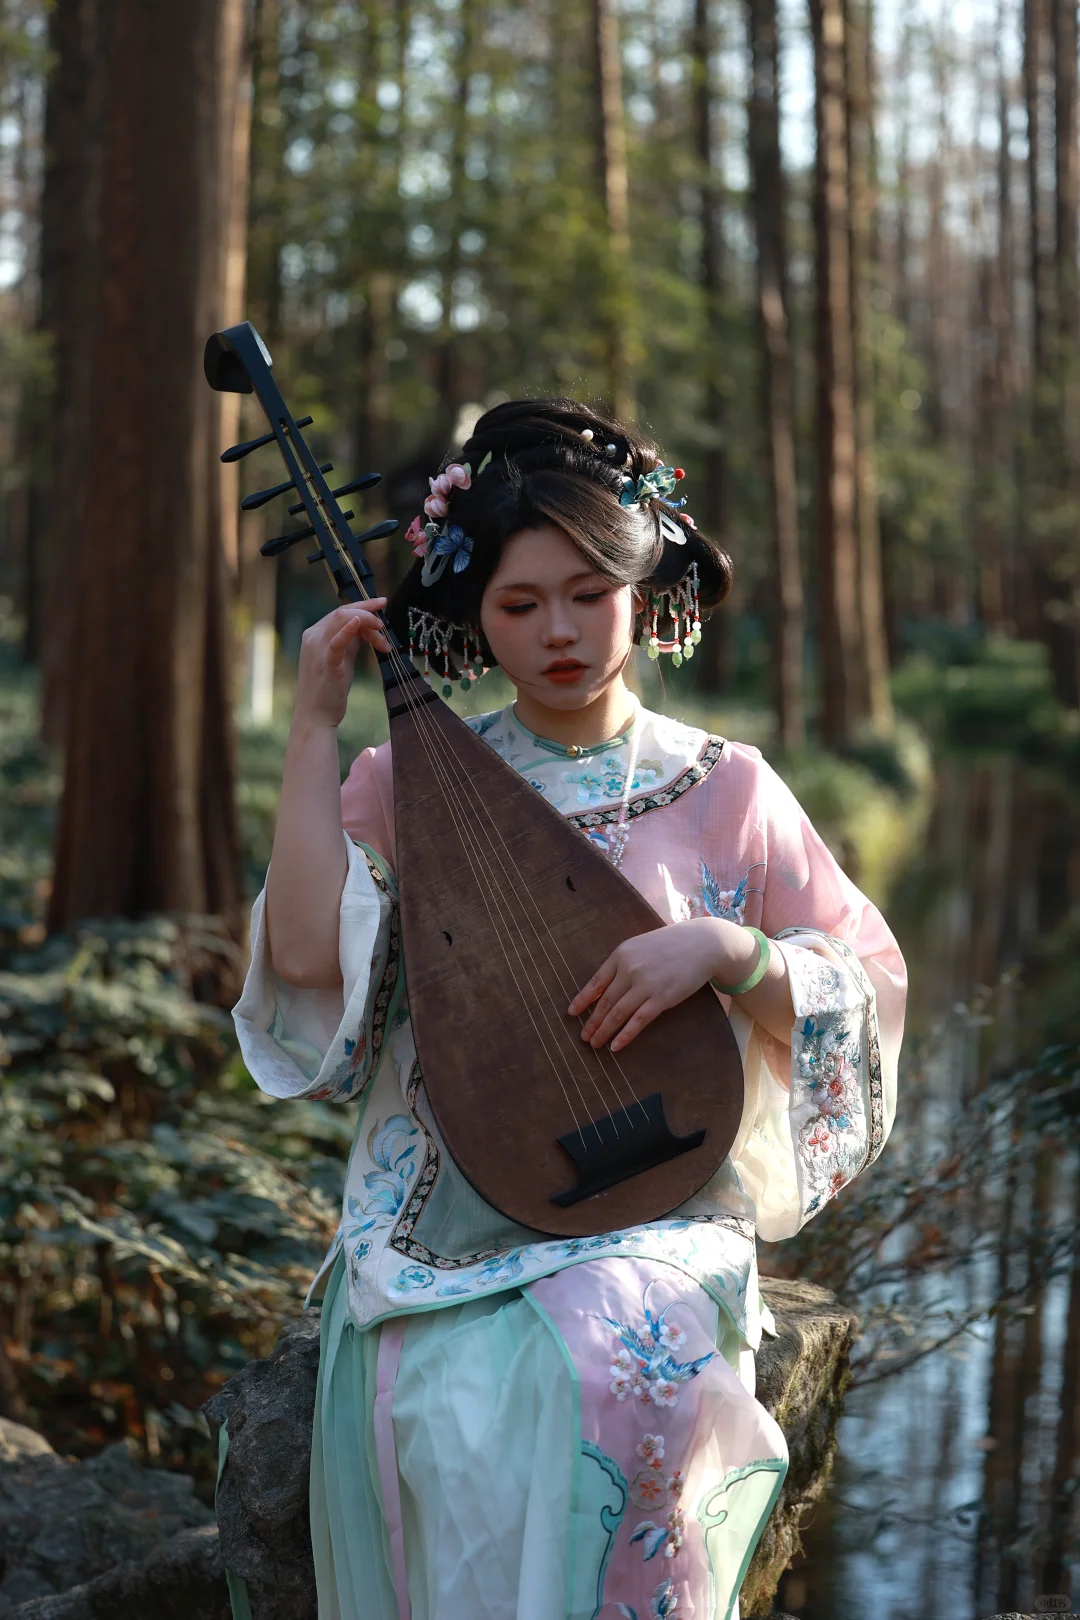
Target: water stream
(955, 1486)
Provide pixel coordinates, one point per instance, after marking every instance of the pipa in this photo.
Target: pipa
(506, 911)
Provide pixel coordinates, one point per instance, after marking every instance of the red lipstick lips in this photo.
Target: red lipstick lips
(564, 669)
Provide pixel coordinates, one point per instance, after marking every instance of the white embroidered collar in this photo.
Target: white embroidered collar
(596, 777)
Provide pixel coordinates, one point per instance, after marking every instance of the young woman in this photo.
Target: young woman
(511, 1427)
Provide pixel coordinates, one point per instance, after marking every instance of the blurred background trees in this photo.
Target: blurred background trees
(828, 254)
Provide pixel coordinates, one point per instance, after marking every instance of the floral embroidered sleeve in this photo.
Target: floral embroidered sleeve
(819, 1112)
(326, 1044)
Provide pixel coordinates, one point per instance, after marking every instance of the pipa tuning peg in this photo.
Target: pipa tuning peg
(237, 452)
(379, 532)
(282, 542)
(316, 556)
(251, 502)
(368, 481)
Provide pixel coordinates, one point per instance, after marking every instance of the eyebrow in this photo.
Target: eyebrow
(527, 585)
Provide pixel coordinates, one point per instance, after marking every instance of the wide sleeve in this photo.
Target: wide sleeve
(819, 1110)
(326, 1044)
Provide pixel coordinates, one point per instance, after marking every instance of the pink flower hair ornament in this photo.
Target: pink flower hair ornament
(456, 476)
(416, 535)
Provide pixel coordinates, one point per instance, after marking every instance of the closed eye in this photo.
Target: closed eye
(518, 608)
(591, 596)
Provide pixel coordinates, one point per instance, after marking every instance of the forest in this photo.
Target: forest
(829, 256)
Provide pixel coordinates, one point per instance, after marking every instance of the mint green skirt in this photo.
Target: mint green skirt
(483, 1415)
(450, 1479)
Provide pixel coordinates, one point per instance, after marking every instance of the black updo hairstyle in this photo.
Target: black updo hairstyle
(542, 471)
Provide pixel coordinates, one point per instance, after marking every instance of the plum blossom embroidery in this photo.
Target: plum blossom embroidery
(644, 1364)
(653, 1488)
(822, 988)
(664, 1604)
(831, 1139)
(730, 904)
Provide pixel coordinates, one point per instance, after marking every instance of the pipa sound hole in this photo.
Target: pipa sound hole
(618, 1146)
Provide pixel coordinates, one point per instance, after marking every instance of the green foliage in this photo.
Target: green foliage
(983, 694)
(29, 785)
(159, 1218)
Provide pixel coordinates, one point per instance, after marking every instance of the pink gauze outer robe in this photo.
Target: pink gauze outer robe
(714, 831)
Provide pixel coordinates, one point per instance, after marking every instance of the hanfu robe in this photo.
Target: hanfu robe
(511, 1426)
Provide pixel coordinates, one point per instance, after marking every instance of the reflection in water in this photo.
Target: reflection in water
(958, 1480)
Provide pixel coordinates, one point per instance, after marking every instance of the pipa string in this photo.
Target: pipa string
(509, 870)
(510, 873)
(436, 744)
(499, 904)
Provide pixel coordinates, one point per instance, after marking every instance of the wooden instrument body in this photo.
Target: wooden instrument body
(492, 960)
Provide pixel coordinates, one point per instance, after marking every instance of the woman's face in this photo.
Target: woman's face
(561, 631)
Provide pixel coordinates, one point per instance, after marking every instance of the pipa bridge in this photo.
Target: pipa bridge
(621, 1145)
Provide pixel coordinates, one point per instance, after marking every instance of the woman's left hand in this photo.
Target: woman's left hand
(651, 972)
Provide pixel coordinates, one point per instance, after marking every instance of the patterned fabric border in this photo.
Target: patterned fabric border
(873, 1052)
(380, 1006)
(733, 1223)
(710, 755)
(876, 1138)
(401, 1237)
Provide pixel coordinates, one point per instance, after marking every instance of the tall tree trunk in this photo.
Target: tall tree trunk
(614, 186)
(1046, 29)
(837, 543)
(1035, 40)
(716, 652)
(997, 437)
(711, 267)
(147, 820)
(777, 386)
(938, 250)
(266, 230)
(450, 391)
(862, 207)
(1066, 177)
(68, 257)
(902, 272)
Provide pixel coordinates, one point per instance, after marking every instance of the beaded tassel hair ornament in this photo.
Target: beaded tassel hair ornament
(438, 543)
(684, 611)
(683, 606)
(433, 637)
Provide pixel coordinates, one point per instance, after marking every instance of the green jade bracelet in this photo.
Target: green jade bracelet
(757, 972)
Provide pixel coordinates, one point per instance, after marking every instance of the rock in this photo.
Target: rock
(64, 1523)
(801, 1378)
(262, 1502)
(17, 1443)
(181, 1580)
(263, 1497)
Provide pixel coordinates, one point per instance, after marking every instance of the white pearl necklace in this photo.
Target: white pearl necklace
(619, 836)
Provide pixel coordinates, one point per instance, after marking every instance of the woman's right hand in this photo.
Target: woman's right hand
(328, 655)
